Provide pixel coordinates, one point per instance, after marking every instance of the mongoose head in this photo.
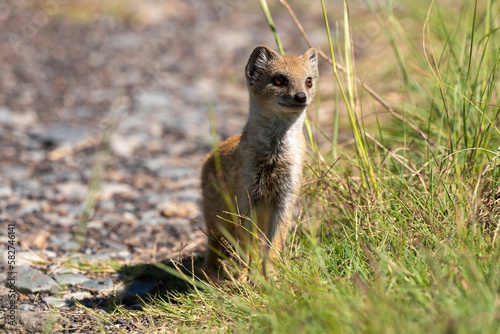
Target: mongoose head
(283, 84)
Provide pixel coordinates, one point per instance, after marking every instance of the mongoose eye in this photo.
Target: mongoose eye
(309, 82)
(279, 80)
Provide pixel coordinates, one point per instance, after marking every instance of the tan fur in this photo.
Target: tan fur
(259, 171)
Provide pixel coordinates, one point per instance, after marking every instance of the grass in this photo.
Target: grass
(394, 237)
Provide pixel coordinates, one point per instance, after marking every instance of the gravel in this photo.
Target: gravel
(104, 283)
(30, 280)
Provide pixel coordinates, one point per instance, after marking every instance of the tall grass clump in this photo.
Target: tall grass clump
(401, 234)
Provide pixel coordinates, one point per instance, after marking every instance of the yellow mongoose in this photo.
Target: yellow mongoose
(260, 170)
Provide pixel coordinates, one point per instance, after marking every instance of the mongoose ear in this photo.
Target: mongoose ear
(312, 57)
(257, 63)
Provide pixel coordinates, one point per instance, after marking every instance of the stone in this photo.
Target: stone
(26, 307)
(71, 279)
(174, 173)
(151, 217)
(34, 322)
(37, 239)
(77, 295)
(150, 198)
(108, 190)
(30, 207)
(125, 146)
(58, 134)
(55, 301)
(28, 188)
(152, 99)
(64, 245)
(28, 258)
(5, 191)
(15, 172)
(171, 209)
(106, 205)
(30, 280)
(98, 284)
(129, 217)
(72, 191)
(57, 269)
(109, 254)
(126, 41)
(18, 119)
(188, 195)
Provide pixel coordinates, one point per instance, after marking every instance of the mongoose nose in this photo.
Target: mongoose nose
(300, 97)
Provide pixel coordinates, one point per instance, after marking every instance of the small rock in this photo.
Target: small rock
(151, 217)
(125, 146)
(109, 254)
(30, 280)
(28, 258)
(152, 99)
(57, 269)
(162, 167)
(129, 206)
(77, 295)
(16, 172)
(179, 209)
(64, 245)
(188, 195)
(156, 163)
(113, 245)
(34, 322)
(98, 224)
(179, 226)
(70, 209)
(107, 205)
(18, 119)
(100, 95)
(108, 190)
(67, 221)
(26, 307)
(71, 279)
(174, 173)
(126, 41)
(180, 222)
(5, 191)
(28, 188)
(36, 240)
(56, 302)
(30, 207)
(58, 134)
(49, 254)
(129, 217)
(104, 283)
(150, 198)
(72, 191)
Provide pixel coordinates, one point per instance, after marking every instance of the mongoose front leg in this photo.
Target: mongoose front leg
(210, 266)
(272, 243)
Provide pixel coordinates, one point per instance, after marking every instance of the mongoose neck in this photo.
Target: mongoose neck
(272, 133)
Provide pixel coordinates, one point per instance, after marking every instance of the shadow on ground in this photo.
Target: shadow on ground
(145, 282)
